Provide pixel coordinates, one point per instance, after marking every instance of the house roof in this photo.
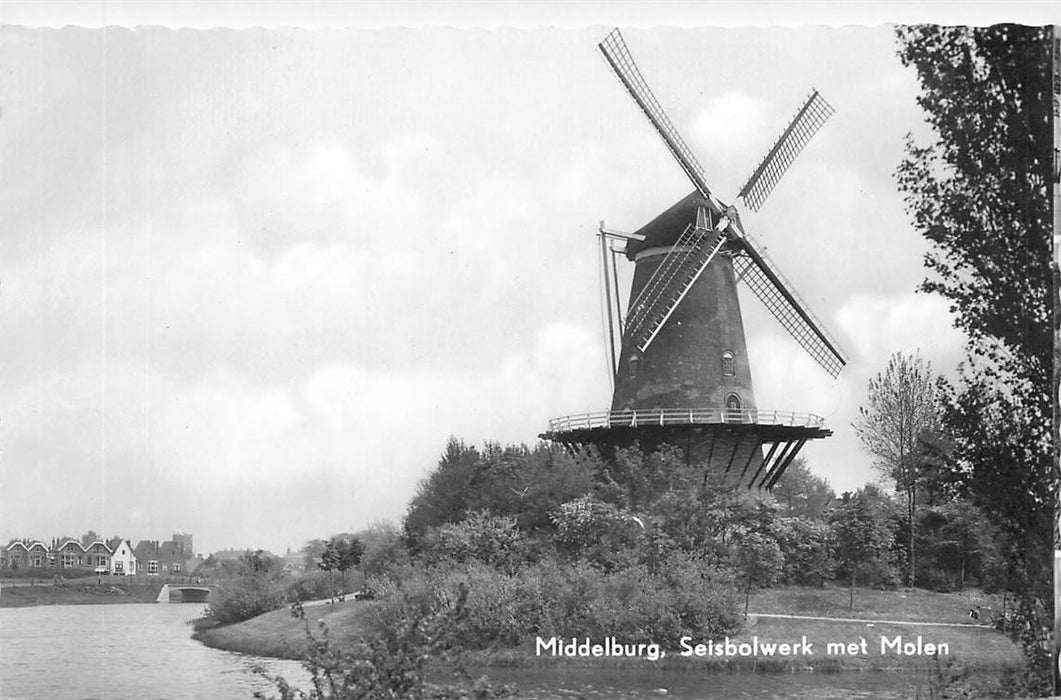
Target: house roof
(146, 550)
(26, 545)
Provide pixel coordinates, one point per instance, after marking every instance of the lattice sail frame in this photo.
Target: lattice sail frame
(675, 276)
(808, 120)
(778, 296)
(614, 50)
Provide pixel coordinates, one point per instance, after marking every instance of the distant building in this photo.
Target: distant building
(183, 541)
(164, 558)
(123, 561)
(71, 554)
(24, 553)
(115, 556)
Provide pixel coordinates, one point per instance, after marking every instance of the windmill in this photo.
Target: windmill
(681, 375)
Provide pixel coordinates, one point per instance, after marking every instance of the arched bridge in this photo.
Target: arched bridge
(188, 592)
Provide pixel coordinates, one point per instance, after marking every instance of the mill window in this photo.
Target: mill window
(728, 365)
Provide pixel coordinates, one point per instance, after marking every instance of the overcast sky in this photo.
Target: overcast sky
(253, 280)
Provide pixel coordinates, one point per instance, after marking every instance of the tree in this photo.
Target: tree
(341, 553)
(384, 549)
(861, 533)
(801, 493)
(807, 549)
(932, 462)
(950, 541)
(759, 562)
(527, 484)
(979, 194)
(89, 538)
(901, 407)
(441, 496)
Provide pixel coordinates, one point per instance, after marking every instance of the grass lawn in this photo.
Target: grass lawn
(279, 634)
(902, 604)
(77, 594)
(982, 647)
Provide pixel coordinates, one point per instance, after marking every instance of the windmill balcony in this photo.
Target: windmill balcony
(683, 416)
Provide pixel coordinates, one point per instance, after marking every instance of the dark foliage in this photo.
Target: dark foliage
(979, 194)
(515, 481)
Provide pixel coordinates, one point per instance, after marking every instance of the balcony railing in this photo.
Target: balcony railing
(682, 416)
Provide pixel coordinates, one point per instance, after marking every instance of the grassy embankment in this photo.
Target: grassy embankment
(279, 634)
(81, 592)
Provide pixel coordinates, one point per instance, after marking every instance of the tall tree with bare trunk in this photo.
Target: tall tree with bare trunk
(900, 406)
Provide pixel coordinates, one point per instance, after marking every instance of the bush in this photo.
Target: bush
(257, 589)
(313, 585)
(413, 659)
(599, 532)
(481, 537)
(552, 598)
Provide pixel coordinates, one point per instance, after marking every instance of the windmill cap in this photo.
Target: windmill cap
(664, 230)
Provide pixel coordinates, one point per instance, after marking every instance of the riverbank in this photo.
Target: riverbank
(76, 593)
(888, 631)
(279, 634)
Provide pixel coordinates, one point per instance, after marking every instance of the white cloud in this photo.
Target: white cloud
(318, 262)
(878, 326)
(154, 450)
(732, 130)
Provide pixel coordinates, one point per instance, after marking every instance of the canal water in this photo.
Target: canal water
(134, 652)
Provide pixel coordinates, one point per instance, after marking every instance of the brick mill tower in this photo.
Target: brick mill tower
(682, 375)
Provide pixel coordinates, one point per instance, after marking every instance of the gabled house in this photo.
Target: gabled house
(23, 553)
(146, 556)
(70, 554)
(15, 555)
(98, 556)
(123, 561)
(37, 554)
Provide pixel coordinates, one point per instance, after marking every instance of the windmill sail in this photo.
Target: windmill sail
(686, 260)
(760, 274)
(622, 63)
(810, 117)
(693, 251)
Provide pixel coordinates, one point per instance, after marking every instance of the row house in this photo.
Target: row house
(21, 553)
(71, 554)
(115, 557)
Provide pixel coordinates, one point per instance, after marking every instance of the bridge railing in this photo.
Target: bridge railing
(682, 416)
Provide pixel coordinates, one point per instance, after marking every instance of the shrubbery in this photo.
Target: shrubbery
(257, 589)
(552, 598)
(312, 585)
